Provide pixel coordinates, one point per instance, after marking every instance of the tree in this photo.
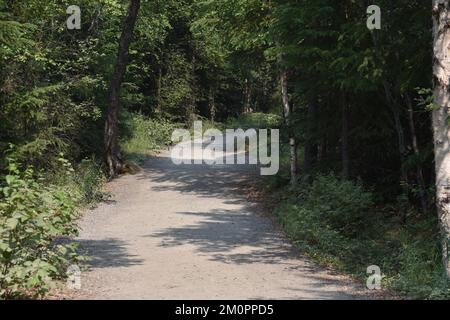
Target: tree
(441, 79)
(112, 150)
(288, 111)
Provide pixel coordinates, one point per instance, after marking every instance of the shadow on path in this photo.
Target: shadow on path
(220, 232)
(213, 181)
(107, 253)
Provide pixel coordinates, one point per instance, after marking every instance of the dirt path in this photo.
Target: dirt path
(188, 232)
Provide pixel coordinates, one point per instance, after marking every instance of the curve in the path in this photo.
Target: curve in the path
(188, 232)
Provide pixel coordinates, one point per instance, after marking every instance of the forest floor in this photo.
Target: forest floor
(191, 232)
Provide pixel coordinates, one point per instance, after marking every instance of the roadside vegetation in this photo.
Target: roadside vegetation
(39, 209)
(350, 225)
(143, 136)
(354, 106)
(345, 225)
(36, 212)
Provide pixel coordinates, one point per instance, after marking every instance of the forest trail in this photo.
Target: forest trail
(189, 232)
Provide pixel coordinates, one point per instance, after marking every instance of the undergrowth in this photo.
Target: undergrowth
(255, 120)
(142, 136)
(339, 223)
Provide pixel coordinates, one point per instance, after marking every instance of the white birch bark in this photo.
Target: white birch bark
(288, 115)
(441, 79)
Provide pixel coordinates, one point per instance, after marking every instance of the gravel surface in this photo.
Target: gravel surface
(189, 232)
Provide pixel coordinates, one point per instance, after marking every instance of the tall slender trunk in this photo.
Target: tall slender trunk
(288, 110)
(393, 106)
(159, 84)
(345, 150)
(192, 101)
(95, 21)
(112, 151)
(247, 97)
(322, 150)
(415, 145)
(311, 148)
(212, 104)
(441, 79)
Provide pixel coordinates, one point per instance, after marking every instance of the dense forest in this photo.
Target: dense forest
(354, 106)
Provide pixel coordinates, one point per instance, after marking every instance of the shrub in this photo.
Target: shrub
(324, 215)
(206, 125)
(341, 204)
(255, 121)
(32, 216)
(89, 179)
(84, 183)
(143, 136)
(336, 222)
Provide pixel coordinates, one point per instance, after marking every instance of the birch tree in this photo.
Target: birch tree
(441, 79)
(288, 113)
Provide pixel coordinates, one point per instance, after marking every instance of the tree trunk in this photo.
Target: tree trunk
(287, 108)
(441, 76)
(247, 97)
(311, 148)
(345, 140)
(322, 151)
(159, 84)
(112, 151)
(393, 106)
(212, 104)
(191, 116)
(415, 145)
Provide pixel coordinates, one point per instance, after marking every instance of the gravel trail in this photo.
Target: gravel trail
(189, 232)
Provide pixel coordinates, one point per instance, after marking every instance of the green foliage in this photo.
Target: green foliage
(177, 88)
(335, 222)
(342, 205)
(255, 120)
(221, 60)
(84, 182)
(207, 125)
(89, 180)
(143, 136)
(32, 217)
(325, 213)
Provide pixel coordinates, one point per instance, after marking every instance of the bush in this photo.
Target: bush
(341, 204)
(142, 136)
(32, 216)
(337, 223)
(84, 183)
(89, 179)
(323, 216)
(206, 125)
(255, 121)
